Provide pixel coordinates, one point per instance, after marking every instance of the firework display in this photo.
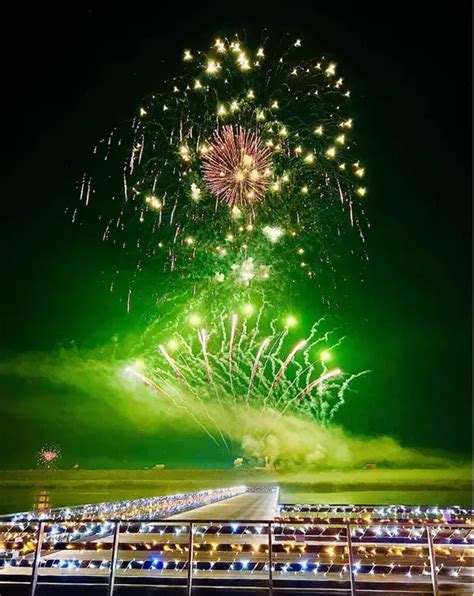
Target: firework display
(237, 167)
(233, 188)
(244, 163)
(245, 361)
(48, 456)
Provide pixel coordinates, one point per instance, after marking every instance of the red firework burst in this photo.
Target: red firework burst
(48, 456)
(237, 166)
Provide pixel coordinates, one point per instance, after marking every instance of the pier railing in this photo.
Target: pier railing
(347, 556)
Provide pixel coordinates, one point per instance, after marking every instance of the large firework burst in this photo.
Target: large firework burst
(248, 139)
(237, 166)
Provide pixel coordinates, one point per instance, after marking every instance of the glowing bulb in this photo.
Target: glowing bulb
(291, 321)
(325, 356)
(194, 319)
(273, 234)
(298, 150)
(195, 192)
(153, 202)
(187, 56)
(298, 43)
(330, 70)
(197, 84)
(236, 212)
(283, 131)
(248, 309)
(250, 94)
(243, 61)
(221, 111)
(300, 251)
(360, 172)
(184, 152)
(304, 190)
(219, 45)
(143, 112)
(309, 158)
(189, 240)
(318, 131)
(275, 105)
(361, 191)
(331, 152)
(173, 344)
(212, 67)
(341, 139)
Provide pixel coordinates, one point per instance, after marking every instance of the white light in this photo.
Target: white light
(273, 234)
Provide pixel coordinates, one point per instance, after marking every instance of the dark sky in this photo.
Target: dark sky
(71, 74)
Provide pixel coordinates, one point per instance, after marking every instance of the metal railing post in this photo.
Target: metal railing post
(431, 550)
(351, 560)
(113, 559)
(270, 558)
(36, 560)
(189, 584)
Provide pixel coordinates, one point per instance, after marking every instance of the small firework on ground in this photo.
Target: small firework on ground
(48, 457)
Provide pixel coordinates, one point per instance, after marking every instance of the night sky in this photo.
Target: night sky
(71, 75)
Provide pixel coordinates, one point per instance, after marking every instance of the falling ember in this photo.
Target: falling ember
(237, 167)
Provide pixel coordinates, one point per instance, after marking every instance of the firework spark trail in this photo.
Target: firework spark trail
(306, 391)
(343, 388)
(336, 372)
(195, 393)
(308, 368)
(267, 375)
(299, 346)
(242, 338)
(256, 328)
(203, 339)
(160, 393)
(173, 365)
(144, 379)
(261, 350)
(231, 341)
(272, 358)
